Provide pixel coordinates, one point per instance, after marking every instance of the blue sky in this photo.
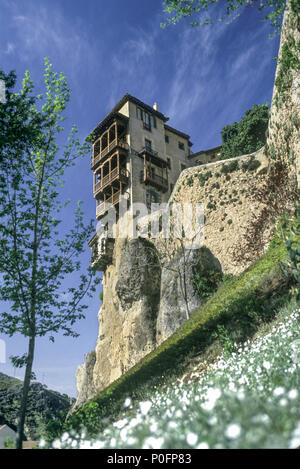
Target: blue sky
(202, 78)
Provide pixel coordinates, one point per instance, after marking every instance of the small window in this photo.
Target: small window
(181, 145)
(153, 121)
(171, 187)
(146, 121)
(183, 167)
(97, 148)
(152, 197)
(138, 113)
(167, 138)
(169, 163)
(148, 145)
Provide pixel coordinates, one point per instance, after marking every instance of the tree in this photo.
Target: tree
(248, 135)
(35, 261)
(197, 9)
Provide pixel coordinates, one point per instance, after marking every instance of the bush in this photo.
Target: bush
(251, 165)
(248, 135)
(206, 283)
(230, 167)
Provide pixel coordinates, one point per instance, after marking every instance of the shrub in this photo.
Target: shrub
(251, 165)
(230, 167)
(248, 135)
(206, 283)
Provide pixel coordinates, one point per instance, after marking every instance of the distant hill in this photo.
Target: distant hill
(43, 404)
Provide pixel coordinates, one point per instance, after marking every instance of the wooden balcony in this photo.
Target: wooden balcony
(103, 153)
(148, 177)
(117, 174)
(105, 205)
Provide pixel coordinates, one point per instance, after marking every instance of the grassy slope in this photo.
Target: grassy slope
(239, 304)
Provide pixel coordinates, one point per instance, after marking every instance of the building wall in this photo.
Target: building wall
(177, 156)
(203, 157)
(136, 139)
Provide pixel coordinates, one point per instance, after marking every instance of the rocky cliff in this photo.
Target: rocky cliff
(144, 300)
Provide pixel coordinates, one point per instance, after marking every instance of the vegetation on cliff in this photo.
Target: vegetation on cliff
(241, 306)
(246, 136)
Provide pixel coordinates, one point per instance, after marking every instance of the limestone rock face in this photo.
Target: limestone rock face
(176, 285)
(127, 317)
(84, 378)
(143, 304)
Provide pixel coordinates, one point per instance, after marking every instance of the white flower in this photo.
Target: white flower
(153, 443)
(295, 441)
(211, 397)
(283, 402)
(293, 394)
(192, 439)
(278, 391)
(42, 443)
(145, 407)
(233, 431)
(266, 365)
(120, 423)
(213, 420)
(127, 402)
(203, 445)
(123, 434)
(56, 444)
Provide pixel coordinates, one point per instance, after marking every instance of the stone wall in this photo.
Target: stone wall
(283, 144)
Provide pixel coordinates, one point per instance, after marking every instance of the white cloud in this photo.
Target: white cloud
(10, 47)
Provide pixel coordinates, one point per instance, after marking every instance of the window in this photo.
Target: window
(169, 163)
(138, 113)
(97, 148)
(181, 145)
(148, 119)
(171, 187)
(148, 145)
(183, 167)
(167, 138)
(153, 121)
(152, 197)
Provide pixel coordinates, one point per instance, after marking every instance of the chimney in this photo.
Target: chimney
(155, 106)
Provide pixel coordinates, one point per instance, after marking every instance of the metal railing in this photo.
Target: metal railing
(149, 151)
(152, 178)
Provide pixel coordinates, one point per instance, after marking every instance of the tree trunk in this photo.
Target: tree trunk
(26, 385)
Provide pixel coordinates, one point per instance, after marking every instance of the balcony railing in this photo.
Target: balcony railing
(105, 151)
(149, 151)
(116, 174)
(104, 206)
(149, 177)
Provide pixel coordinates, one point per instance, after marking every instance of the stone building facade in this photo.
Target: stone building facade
(137, 158)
